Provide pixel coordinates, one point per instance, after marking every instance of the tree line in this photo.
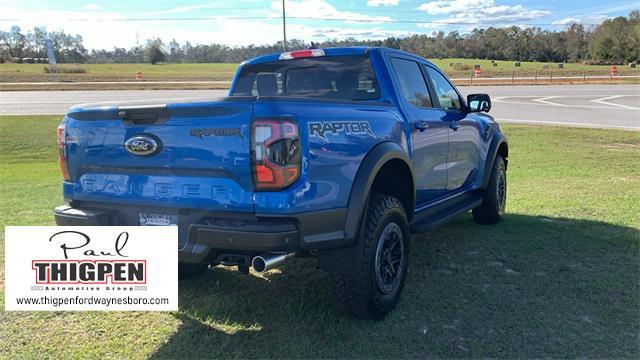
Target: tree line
(614, 41)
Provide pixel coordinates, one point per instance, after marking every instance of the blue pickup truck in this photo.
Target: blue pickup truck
(337, 154)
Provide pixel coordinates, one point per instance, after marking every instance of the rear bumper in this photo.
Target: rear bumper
(203, 236)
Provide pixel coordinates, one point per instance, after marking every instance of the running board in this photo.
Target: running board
(444, 215)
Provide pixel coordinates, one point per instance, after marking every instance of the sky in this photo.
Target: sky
(124, 23)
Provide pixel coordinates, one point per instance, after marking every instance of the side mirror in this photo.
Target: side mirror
(479, 102)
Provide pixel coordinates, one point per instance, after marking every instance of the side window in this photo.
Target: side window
(412, 84)
(447, 95)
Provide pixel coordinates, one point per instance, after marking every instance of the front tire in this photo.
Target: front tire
(373, 289)
(494, 198)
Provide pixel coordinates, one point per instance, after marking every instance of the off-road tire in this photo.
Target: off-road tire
(360, 293)
(186, 271)
(494, 197)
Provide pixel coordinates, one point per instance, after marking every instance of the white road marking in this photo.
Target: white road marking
(564, 96)
(605, 101)
(545, 100)
(589, 125)
(560, 105)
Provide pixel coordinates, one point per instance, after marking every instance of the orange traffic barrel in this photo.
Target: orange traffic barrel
(613, 71)
(139, 75)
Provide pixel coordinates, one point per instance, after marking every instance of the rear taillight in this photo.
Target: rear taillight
(62, 158)
(276, 154)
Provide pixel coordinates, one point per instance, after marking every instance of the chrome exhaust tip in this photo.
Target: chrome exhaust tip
(267, 261)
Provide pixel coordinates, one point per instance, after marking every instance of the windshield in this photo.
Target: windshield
(333, 77)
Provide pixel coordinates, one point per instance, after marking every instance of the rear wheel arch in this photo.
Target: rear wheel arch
(395, 179)
(386, 169)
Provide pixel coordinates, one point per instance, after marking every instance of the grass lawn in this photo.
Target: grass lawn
(225, 72)
(558, 278)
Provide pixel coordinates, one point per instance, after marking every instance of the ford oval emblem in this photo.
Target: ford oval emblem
(143, 145)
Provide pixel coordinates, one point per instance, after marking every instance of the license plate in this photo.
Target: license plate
(157, 219)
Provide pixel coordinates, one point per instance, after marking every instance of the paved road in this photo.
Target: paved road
(611, 106)
(58, 102)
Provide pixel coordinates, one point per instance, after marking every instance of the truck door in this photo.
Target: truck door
(464, 132)
(429, 134)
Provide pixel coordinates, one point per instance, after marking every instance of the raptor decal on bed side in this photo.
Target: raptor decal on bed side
(322, 128)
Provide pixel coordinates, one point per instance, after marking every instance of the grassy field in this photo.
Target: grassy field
(506, 68)
(558, 278)
(224, 72)
(120, 72)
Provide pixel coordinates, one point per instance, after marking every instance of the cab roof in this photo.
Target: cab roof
(341, 51)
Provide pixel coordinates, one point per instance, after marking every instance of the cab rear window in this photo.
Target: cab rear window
(331, 77)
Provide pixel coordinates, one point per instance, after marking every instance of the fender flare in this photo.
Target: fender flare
(497, 140)
(373, 161)
(347, 258)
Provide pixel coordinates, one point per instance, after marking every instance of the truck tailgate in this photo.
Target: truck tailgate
(200, 157)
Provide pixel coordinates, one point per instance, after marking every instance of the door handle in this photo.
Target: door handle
(454, 125)
(422, 125)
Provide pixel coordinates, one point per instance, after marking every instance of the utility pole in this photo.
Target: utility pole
(51, 54)
(284, 27)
